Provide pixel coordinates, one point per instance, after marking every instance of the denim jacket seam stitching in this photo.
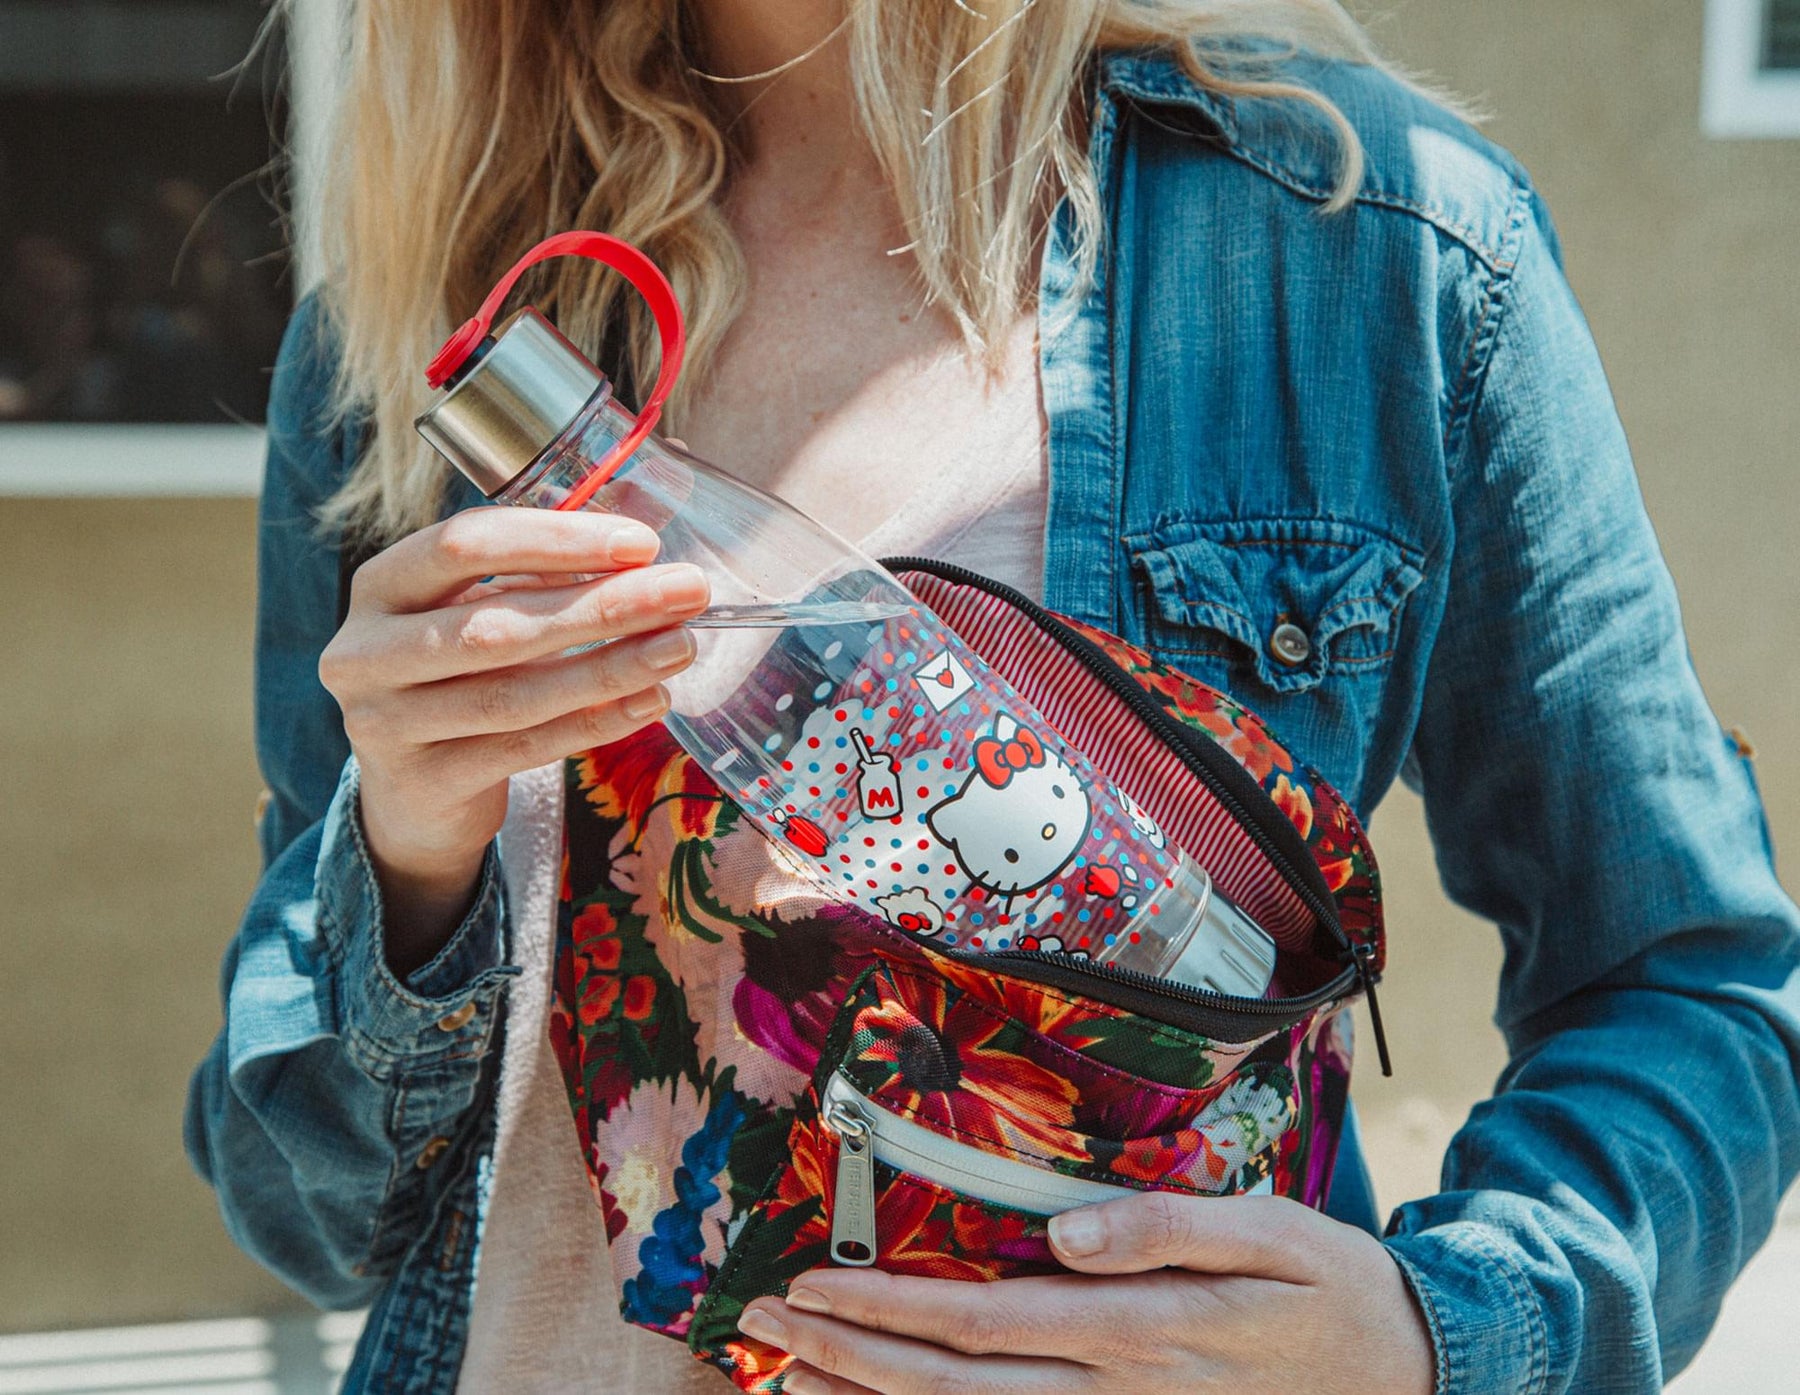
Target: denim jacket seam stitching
(1376, 599)
(414, 1297)
(1527, 1300)
(415, 1294)
(1472, 373)
(1148, 540)
(488, 896)
(1232, 143)
(402, 1067)
(1362, 660)
(384, 1212)
(1220, 606)
(1122, 143)
(1463, 394)
(1434, 1321)
(1235, 543)
(1494, 258)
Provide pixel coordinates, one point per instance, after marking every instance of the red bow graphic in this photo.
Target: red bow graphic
(997, 759)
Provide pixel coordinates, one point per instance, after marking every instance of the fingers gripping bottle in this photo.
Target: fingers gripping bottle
(843, 716)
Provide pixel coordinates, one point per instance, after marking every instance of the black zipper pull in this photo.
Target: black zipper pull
(1363, 953)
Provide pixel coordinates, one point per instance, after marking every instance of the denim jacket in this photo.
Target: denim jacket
(1387, 427)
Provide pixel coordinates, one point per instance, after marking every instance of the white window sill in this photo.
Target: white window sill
(1739, 98)
(130, 461)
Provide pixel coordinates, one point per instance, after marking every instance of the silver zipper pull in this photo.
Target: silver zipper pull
(853, 1212)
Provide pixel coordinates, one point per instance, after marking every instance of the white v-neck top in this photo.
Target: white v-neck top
(546, 1315)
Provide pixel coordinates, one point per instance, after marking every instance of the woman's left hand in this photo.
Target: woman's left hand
(1172, 1293)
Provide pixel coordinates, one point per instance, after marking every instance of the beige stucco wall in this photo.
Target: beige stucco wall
(124, 678)
(127, 852)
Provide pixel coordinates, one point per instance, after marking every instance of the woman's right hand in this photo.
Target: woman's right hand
(449, 684)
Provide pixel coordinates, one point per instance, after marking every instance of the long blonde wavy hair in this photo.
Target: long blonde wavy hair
(465, 130)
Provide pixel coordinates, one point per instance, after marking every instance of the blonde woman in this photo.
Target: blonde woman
(1234, 343)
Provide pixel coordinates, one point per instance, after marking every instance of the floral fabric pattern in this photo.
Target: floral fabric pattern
(1322, 817)
(708, 983)
(932, 1054)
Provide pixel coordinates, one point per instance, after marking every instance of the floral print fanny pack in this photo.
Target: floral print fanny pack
(768, 1076)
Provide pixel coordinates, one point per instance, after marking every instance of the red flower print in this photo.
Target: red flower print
(602, 955)
(1101, 880)
(598, 994)
(640, 997)
(917, 1233)
(949, 1068)
(1152, 1159)
(591, 922)
(597, 947)
(1294, 801)
(1247, 740)
(1070, 1022)
(622, 781)
(756, 1364)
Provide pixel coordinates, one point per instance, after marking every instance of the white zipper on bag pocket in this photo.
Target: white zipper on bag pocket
(869, 1133)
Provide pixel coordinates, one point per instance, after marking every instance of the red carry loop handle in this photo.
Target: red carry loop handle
(658, 294)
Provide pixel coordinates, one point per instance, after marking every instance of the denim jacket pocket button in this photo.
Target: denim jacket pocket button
(1290, 644)
(457, 1020)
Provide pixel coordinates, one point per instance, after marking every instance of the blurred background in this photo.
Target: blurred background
(144, 280)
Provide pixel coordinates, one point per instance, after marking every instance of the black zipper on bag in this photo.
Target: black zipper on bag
(1217, 1015)
(1234, 788)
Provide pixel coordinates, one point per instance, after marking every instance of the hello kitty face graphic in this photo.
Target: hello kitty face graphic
(1142, 821)
(911, 909)
(1019, 818)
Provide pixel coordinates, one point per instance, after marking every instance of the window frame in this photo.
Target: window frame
(81, 460)
(86, 460)
(1739, 98)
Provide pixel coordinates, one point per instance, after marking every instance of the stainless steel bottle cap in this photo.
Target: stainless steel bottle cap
(514, 400)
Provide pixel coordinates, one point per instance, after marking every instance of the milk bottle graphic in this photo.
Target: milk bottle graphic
(844, 717)
(877, 784)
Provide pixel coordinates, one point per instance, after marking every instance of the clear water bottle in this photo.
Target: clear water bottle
(842, 715)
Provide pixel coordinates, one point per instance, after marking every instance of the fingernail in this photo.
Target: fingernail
(808, 1300)
(670, 649)
(632, 542)
(1077, 1233)
(642, 705)
(682, 588)
(763, 1325)
(805, 1383)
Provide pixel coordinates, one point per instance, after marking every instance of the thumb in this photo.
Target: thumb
(1258, 1236)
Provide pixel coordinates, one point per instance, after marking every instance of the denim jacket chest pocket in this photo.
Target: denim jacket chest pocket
(1297, 617)
(1290, 602)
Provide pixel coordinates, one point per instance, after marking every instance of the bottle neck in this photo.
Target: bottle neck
(600, 425)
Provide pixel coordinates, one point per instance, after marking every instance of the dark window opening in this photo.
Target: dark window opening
(1781, 43)
(143, 276)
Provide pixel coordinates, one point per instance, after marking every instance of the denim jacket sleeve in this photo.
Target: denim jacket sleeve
(325, 1110)
(1581, 794)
